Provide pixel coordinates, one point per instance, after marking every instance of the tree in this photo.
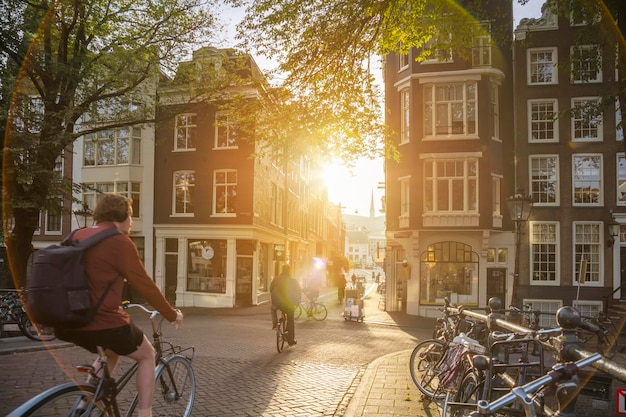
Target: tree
(62, 60)
(327, 52)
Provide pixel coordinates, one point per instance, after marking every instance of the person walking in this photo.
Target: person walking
(341, 287)
(286, 294)
(109, 263)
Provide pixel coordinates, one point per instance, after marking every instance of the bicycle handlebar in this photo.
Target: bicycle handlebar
(153, 313)
(558, 373)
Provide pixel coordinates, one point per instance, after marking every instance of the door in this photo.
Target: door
(496, 284)
(243, 295)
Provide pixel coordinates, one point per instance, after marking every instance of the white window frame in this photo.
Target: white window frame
(189, 129)
(495, 111)
(405, 116)
(586, 61)
(496, 195)
(619, 128)
(532, 64)
(588, 308)
(405, 201)
(232, 133)
(620, 172)
(188, 193)
(534, 123)
(437, 57)
(468, 180)
(403, 61)
(594, 183)
(588, 241)
(94, 143)
(434, 107)
(536, 182)
(547, 320)
(536, 240)
(226, 184)
(481, 50)
(580, 123)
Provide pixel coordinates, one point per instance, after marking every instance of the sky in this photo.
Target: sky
(353, 188)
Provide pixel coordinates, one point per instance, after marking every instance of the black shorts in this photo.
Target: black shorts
(121, 340)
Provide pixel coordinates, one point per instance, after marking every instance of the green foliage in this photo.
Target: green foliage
(67, 59)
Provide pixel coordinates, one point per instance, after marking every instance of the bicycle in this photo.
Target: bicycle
(600, 333)
(313, 309)
(174, 388)
(281, 332)
(12, 311)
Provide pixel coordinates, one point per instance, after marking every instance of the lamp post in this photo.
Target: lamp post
(614, 229)
(85, 211)
(519, 209)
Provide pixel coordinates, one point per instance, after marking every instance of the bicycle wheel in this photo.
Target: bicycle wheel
(469, 392)
(297, 312)
(319, 312)
(175, 388)
(427, 361)
(69, 399)
(35, 331)
(280, 336)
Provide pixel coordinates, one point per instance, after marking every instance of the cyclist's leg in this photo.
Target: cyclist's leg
(144, 355)
(274, 315)
(291, 328)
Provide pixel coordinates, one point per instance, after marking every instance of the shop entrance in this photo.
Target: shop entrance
(496, 284)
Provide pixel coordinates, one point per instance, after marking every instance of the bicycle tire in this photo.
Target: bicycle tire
(426, 360)
(35, 331)
(297, 312)
(61, 400)
(280, 336)
(469, 392)
(174, 388)
(319, 312)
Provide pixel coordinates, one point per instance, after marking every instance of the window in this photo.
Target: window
(184, 188)
(544, 253)
(405, 116)
(449, 269)
(548, 309)
(225, 192)
(403, 61)
(206, 265)
(588, 252)
(112, 147)
(543, 125)
(54, 217)
(450, 109)
(226, 132)
(93, 191)
(185, 132)
(495, 111)
(588, 308)
(586, 120)
(495, 195)
(621, 180)
(587, 179)
(405, 194)
(451, 185)
(438, 49)
(542, 64)
(544, 179)
(586, 63)
(481, 50)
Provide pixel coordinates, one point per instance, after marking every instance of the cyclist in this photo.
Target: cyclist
(110, 262)
(285, 293)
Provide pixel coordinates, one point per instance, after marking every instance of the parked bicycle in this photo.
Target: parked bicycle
(313, 308)
(13, 312)
(174, 394)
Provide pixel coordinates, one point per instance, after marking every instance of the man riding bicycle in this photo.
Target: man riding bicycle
(285, 293)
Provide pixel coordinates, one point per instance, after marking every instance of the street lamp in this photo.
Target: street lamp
(519, 209)
(85, 211)
(614, 229)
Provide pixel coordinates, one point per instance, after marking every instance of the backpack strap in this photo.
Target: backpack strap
(97, 238)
